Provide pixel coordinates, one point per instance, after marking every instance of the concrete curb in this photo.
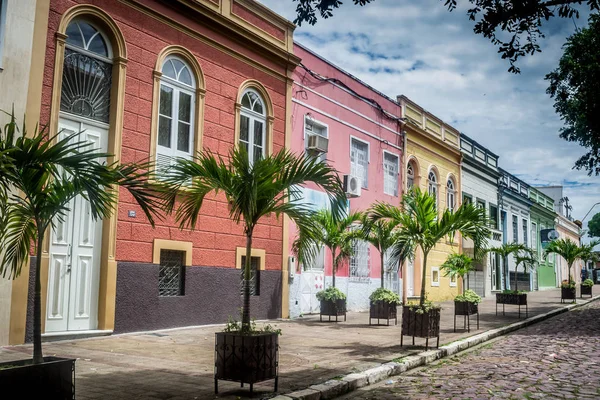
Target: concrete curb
(334, 388)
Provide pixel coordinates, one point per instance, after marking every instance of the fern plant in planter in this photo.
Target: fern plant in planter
(384, 305)
(40, 176)
(422, 226)
(333, 303)
(267, 186)
(586, 287)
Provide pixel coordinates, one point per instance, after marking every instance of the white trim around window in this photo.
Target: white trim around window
(365, 182)
(386, 175)
(453, 279)
(435, 272)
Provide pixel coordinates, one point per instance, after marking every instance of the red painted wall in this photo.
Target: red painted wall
(346, 115)
(216, 236)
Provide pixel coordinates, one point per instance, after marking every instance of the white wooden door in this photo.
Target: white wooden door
(410, 278)
(75, 243)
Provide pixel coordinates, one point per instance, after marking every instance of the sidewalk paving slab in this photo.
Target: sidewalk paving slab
(179, 363)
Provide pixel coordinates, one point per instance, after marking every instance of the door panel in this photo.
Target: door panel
(410, 278)
(75, 246)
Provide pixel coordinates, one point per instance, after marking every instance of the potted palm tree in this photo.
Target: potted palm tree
(510, 296)
(421, 227)
(382, 235)
(570, 252)
(465, 304)
(40, 176)
(245, 353)
(337, 233)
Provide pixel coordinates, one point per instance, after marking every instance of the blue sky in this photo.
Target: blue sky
(419, 49)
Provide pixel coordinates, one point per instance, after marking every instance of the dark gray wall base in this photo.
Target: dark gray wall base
(30, 300)
(211, 295)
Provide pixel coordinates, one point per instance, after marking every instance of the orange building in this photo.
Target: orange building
(154, 79)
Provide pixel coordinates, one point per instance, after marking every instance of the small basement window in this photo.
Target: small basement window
(171, 275)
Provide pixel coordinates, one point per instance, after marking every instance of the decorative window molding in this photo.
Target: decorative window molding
(257, 264)
(391, 171)
(432, 185)
(245, 114)
(360, 157)
(435, 276)
(412, 173)
(175, 131)
(450, 194)
(172, 256)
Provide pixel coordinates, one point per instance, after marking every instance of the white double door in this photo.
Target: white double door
(75, 244)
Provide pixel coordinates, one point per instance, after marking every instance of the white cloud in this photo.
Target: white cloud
(419, 49)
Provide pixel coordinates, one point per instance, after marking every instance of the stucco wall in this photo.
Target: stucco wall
(15, 62)
(345, 116)
(428, 155)
(479, 188)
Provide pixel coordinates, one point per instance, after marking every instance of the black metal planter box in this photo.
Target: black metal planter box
(425, 325)
(333, 308)
(246, 358)
(587, 290)
(54, 379)
(512, 299)
(568, 294)
(383, 310)
(466, 309)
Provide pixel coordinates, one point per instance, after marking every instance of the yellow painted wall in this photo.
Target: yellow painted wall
(430, 152)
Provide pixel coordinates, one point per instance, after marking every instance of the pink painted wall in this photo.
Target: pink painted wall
(346, 116)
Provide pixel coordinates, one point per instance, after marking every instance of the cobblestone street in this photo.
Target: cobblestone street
(556, 359)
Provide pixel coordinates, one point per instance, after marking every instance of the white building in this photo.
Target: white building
(514, 204)
(479, 176)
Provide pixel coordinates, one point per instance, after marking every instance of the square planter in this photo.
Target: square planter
(246, 358)
(512, 299)
(54, 379)
(333, 308)
(587, 290)
(383, 310)
(425, 325)
(568, 294)
(466, 309)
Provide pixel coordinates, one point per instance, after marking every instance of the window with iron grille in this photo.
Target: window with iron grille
(360, 262)
(515, 227)
(493, 217)
(525, 232)
(254, 276)
(171, 273)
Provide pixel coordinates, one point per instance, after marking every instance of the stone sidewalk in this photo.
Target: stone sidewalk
(178, 364)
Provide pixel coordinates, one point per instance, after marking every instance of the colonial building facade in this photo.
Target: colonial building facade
(432, 163)
(479, 173)
(363, 133)
(151, 79)
(543, 220)
(514, 204)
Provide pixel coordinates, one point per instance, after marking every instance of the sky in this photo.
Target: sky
(419, 49)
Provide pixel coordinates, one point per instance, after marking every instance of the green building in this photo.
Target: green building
(542, 217)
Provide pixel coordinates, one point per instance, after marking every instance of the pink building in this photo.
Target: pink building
(365, 141)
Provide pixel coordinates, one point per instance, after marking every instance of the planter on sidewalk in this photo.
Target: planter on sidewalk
(515, 299)
(568, 293)
(466, 309)
(54, 379)
(333, 308)
(381, 309)
(420, 323)
(246, 358)
(587, 290)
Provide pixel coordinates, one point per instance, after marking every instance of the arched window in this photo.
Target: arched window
(253, 121)
(87, 73)
(432, 185)
(176, 105)
(450, 194)
(410, 175)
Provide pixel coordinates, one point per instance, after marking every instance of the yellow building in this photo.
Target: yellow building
(432, 162)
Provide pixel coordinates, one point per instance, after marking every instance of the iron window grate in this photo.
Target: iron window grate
(171, 275)
(254, 276)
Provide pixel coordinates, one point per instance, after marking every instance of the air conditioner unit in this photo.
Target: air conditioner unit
(352, 185)
(317, 144)
(292, 266)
